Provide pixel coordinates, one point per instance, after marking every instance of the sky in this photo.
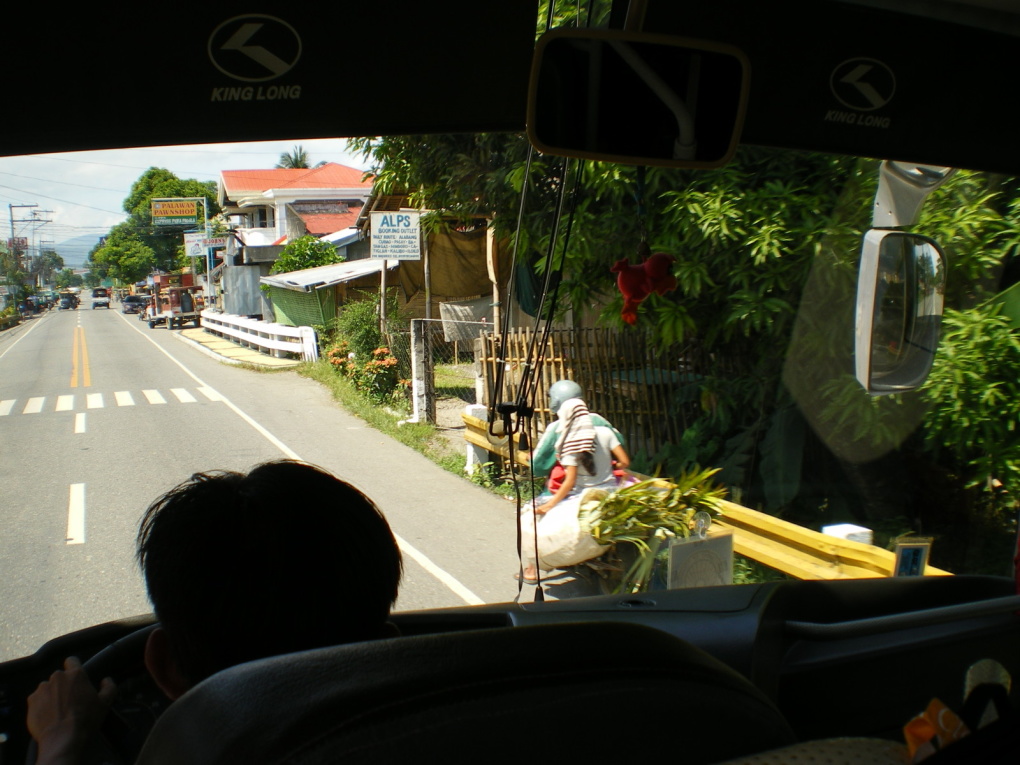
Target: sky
(82, 193)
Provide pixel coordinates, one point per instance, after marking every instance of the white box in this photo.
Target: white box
(849, 531)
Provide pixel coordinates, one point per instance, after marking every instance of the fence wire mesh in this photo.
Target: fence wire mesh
(448, 374)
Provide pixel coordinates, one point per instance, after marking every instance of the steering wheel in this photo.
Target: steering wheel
(136, 707)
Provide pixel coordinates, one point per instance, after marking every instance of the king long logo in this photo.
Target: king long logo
(254, 48)
(863, 86)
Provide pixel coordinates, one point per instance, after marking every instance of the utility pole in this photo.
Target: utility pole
(16, 246)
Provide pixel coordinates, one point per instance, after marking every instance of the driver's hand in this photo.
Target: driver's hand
(66, 711)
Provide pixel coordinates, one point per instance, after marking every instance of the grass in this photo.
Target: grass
(455, 381)
(262, 370)
(420, 436)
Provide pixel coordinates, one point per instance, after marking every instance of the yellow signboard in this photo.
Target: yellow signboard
(174, 212)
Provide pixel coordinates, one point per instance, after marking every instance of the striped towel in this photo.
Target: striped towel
(577, 433)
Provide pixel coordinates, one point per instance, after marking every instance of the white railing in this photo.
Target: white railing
(268, 337)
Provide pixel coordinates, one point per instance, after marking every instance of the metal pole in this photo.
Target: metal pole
(210, 298)
(382, 298)
(428, 279)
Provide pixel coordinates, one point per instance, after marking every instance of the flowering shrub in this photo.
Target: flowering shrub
(377, 378)
(340, 356)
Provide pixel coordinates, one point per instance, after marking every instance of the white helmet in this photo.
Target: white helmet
(560, 391)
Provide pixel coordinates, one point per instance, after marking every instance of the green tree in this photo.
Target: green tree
(68, 278)
(123, 256)
(306, 252)
(134, 248)
(766, 267)
(44, 266)
(14, 273)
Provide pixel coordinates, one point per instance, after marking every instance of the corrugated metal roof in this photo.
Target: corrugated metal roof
(327, 276)
(328, 176)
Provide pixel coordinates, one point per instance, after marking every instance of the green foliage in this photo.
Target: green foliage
(134, 248)
(67, 277)
(357, 324)
(647, 514)
(974, 397)
(46, 266)
(420, 436)
(123, 256)
(14, 275)
(306, 252)
(767, 252)
(355, 350)
(295, 159)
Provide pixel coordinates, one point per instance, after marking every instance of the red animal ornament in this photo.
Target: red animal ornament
(636, 282)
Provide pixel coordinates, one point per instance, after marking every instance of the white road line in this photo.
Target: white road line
(65, 403)
(154, 396)
(27, 332)
(94, 400)
(124, 398)
(5, 406)
(76, 515)
(459, 589)
(34, 405)
(79, 422)
(446, 578)
(183, 396)
(210, 394)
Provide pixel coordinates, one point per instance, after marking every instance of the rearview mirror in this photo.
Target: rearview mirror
(637, 98)
(900, 294)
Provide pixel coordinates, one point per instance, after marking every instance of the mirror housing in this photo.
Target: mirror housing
(635, 98)
(902, 189)
(900, 296)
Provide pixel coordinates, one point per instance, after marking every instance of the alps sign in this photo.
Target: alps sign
(396, 235)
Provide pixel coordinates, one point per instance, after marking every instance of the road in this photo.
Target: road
(99, 414)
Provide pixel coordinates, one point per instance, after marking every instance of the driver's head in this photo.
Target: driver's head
(286, 558)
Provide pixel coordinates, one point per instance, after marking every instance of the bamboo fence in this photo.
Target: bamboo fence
(649, 395)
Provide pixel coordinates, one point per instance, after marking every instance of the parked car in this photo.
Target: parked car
(134, 303)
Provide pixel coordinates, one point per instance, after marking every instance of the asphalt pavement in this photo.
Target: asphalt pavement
(571, 583)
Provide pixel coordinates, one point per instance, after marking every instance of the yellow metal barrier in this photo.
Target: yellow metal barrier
(476, 432)
(804, 553)
(778, 544)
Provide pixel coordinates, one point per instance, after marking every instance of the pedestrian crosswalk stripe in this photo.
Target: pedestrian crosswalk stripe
(154, 396)
(210, 394)
(68, 402)
(183, 396)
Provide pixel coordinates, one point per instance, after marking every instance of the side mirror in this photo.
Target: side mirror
(900, 295)
(637, 98)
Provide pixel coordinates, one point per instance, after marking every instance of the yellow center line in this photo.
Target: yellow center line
(86, 369)
(86, 372)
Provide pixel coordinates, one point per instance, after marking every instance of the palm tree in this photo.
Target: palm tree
(295, 160)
